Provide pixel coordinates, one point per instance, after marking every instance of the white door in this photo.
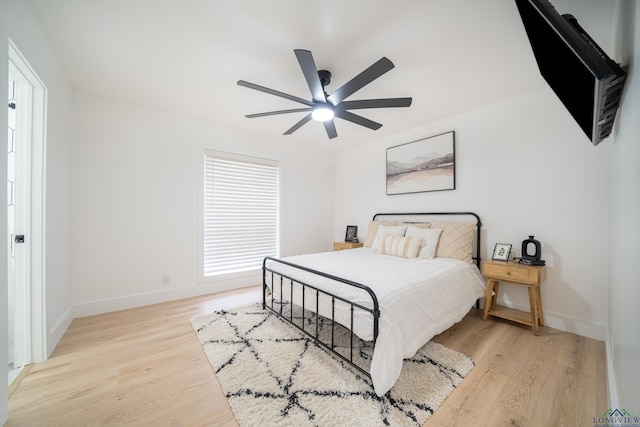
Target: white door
(25, 208)
(18, 219)
(10, 220)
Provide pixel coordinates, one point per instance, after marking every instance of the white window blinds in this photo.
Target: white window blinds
(240, 212)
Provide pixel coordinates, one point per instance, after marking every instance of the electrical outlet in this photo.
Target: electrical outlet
(166, 280)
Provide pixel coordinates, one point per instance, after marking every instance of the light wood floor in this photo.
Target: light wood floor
(145, 367)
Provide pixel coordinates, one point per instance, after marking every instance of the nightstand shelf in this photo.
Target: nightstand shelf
(512, 314)
(525, 275)
(341, 246)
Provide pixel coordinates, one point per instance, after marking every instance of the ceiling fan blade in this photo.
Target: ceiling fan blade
(354, 118)
(330, 127)
(310, 71)
(274, 92)
(298, 125)
(361, 80)
(274, 113)
(374, 103)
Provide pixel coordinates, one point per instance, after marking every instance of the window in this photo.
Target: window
(241, 212)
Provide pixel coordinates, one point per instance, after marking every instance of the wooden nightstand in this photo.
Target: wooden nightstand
(511, 272)
(341, 246)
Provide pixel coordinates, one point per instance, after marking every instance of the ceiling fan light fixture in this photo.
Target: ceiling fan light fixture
(322, 113)
(324, 107)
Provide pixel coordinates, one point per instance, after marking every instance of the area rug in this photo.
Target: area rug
(274, 375)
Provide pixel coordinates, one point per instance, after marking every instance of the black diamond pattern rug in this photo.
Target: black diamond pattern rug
(274, 375)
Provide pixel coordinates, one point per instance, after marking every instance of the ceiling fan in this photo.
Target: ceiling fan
(324, 107)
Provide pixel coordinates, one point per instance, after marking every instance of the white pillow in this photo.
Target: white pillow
(372, 232)
(394, 230)
(406, 247)
(430, 237)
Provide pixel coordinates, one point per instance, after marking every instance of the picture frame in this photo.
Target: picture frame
(501, 252)
(351, 234)
(424, 165)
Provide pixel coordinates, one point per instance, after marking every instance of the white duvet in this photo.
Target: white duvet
(418, 299)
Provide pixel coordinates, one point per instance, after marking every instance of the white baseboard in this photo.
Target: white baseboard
(565, 323)
(55, 333)
(611, 375)
(91, 308)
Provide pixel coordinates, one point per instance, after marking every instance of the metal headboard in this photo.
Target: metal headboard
(476, 258)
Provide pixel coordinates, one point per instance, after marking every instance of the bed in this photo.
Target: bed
(391, 297)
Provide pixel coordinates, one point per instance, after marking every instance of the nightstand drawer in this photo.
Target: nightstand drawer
(512, 272)
(341, 246)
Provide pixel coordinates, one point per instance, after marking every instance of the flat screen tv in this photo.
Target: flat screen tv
(585, 79)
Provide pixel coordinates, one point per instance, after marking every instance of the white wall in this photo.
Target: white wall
(624, 280)
(135, 182)
(527, 169)
(19, 24)
(26, 34)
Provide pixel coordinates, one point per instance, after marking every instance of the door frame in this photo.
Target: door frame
(37, 346)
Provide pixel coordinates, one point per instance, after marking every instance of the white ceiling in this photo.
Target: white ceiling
(185, 56)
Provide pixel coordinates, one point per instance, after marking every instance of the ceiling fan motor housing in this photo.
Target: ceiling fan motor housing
(325, 77)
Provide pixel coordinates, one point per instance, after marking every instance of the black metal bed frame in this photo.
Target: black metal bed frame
(277, 306)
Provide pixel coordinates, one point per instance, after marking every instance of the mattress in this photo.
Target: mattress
(418, 299)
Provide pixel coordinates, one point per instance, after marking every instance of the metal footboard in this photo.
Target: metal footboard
(285, 281)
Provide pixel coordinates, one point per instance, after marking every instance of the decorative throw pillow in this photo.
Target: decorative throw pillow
(373, 231)
(396, 230)
(430, 237)
(406, 247)
(456, 240)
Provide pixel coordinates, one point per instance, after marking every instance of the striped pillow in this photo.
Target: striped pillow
(406, 247)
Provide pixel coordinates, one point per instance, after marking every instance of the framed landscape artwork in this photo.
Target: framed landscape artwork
(424, 165)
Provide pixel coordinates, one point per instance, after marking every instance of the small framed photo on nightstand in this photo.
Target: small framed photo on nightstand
(352, 233)
(501, 252)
